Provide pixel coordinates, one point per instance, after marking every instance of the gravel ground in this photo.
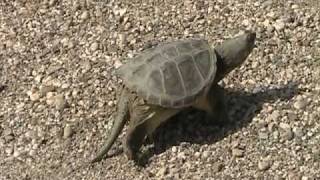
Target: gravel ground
(58, 91)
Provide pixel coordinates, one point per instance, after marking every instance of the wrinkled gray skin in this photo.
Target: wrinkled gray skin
(144, 117)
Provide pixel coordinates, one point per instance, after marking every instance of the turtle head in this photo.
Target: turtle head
(233, 52)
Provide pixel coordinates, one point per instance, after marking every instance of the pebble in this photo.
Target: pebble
(272, 126)
(197, 154)
(34, 95)
(236, 152)
(263, 135)
(86, 66)
(301, 103)
(16, 153)
(264, 164)
(9, 150)
(287, 135)
(286, 132)
(122, 12)
(255, 64)
(67, 131)
(174, 149)
(52, 2)
(122, 40)
(84, 15)
(275, 135)
(294, 176)
(110, 103)
(279, 25)
(50, 99)
(298, 132)
(217, 167)
(206, 154)
(44, 89)
(117, 64)
(284, 126)
(181, 155)
(60, 102)
(275, 115)
(94, 46)
(162, 172)
(38, 79)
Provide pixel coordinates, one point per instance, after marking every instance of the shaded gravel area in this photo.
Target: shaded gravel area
(58, 90)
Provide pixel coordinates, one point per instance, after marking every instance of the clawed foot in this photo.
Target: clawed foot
(137, 157)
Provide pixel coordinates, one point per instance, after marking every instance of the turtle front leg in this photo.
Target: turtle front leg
(217, 103)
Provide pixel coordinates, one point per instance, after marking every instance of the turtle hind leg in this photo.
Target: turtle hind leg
(145, 119)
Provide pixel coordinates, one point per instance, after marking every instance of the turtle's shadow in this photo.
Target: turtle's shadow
(189, 126)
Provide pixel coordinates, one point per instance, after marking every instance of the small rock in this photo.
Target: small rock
(217, 167)
(279, 25)
(65, 86)
(264, 164)
(117, 64)
(301, 103)
(261, 124)
(110, 103)
(122, 12)
(86, 66)
(9, 150)
(50, 98)
(271, 15)
(45, 89)
(38, 78)
(60, 102)
(174, 149)
(181, 155)
(298, 132)
(255, 64)
(246, 22)
(16, 153)
(67, 131)
(52, 2)
(8, 135)
(292, 116)
(275, 135)
(287, 135)
(206, 154)
(272, 127)
(263, 135)
(94, 46)
(275, 115)
(122, 40)
(197, 154)
(34, 95)
(237, 152)
(293, 176)
(162, 172)
(84, 15)
(284, 126)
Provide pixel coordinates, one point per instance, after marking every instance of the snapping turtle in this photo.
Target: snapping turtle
(162, 81)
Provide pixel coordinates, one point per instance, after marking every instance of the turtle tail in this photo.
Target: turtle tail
(120, 121)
